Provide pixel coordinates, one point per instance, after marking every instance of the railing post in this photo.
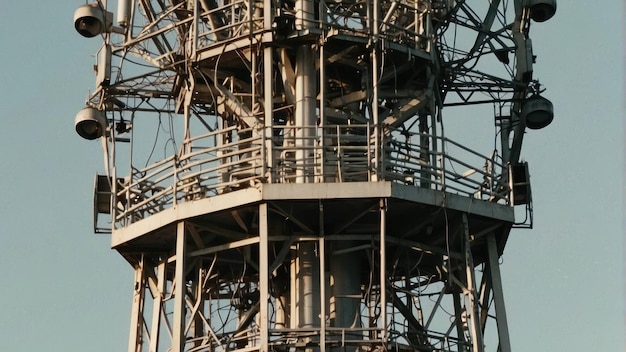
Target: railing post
(339, 175)
(174, 181)
(442, 161)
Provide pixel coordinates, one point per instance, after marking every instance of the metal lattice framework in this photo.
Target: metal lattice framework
(278, 175)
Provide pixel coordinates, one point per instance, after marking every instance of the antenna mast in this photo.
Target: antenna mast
(277, 174)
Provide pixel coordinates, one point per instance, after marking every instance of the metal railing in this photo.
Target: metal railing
(403, 22)
(232, 158)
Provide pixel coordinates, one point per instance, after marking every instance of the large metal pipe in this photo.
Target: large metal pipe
(308, 286)
(307, 276)
(345, 274)
(305, 14)
(305, 117)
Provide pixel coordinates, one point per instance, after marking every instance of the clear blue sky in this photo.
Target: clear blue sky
(63, 289)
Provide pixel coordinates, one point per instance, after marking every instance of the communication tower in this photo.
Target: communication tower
(278, 175)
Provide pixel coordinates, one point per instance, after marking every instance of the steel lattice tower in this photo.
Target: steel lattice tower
(277, 173)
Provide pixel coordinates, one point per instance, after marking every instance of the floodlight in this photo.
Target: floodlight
(537, 112)
(541, 10)
(90, 123)
(90, 20)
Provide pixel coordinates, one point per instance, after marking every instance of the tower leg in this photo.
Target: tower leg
(498, 295)
(178, 328)
(472, 296)
(263, 278)
(136, 318)
(157, 306)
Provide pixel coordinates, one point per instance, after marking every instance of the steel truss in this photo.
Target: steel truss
(234, 289)
(307, 197)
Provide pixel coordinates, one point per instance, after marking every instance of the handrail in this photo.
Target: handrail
(224, 161)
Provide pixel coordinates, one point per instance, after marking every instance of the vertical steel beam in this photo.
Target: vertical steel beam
(323, 299)
(268, 102)
(476, 331)
(198, 306)
(498, 295)
(374, 95)
(136, 317)
(294, 321)
(180, 288)
(322, 108)
(383, 270)
(264, 286)
(458, 320)
(268, 108)
(194, 29)
(485, 297)
(157, 306)
(322, 254)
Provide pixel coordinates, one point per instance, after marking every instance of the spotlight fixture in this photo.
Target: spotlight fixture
(537, 112)
(90, 20)
(90, 123)
(541, 10)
